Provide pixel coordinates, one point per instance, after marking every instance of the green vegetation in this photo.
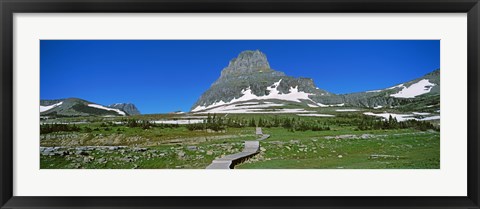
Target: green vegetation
(375, 149)
(92, 110)
(348, 140)
(50, 128)
(392, 123)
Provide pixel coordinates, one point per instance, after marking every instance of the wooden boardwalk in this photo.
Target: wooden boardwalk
(250, 149)
(258, 131)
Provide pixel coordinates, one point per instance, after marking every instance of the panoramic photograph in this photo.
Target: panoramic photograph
(239, 104)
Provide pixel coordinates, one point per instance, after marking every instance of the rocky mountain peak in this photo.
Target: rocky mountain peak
(249, 77)
(129, 108)
(247, 62)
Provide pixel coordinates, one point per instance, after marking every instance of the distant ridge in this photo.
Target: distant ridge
(79, 107)
(129, 108)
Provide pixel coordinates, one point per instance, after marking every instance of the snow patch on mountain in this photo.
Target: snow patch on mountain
(421, 87)
(106, 108)
(249, 103)
(257, 111)
(333, 105)
(404, 117)
(294, 95)
(178, 122)
(421, 113)
(436, 117)
(242, 108)
(45, 108)
(397, 86)
(346, 110)
(399, 117)
(316, 115)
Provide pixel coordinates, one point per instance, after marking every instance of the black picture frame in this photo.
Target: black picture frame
(9, 7)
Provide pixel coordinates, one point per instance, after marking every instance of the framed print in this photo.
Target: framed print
(196, 104)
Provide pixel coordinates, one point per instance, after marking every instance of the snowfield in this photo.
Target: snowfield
(333, 105)
(247, 107)
(194, 117)
(45, 108)
(378, 107)
(316, 115)
(403, 117)
(179, 122)
(258, 108)
(421, 87)
(257, 111)
(399, 117)
(421, 113)
(241, 108)
(346, 110)
(249, 103)
(397, 86)
(106, 108)
(294, 95)
(436, 117)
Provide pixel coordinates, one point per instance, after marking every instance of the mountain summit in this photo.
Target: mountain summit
(249, 77)
(247, 62)
(129, 108)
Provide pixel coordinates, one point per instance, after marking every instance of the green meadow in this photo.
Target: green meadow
(349, 140)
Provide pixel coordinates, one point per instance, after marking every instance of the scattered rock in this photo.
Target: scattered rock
(384, 156)
(181, 154)
(192, 148)
(81, 153)
(139, 149)
(88, 159)
(367, 136)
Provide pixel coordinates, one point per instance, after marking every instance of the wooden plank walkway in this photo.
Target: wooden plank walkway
(250, 149)
(258, 131)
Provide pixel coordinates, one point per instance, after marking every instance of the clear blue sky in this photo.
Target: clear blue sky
(164, 76)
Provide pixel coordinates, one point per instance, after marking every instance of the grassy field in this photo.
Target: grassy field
(349, 150)
(337, 142)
